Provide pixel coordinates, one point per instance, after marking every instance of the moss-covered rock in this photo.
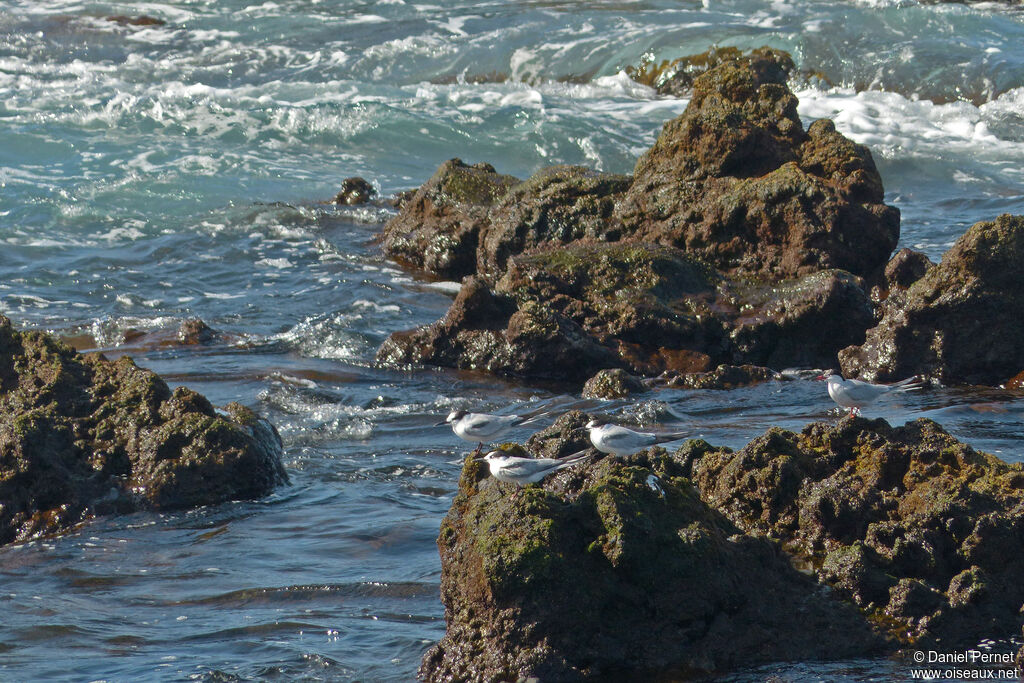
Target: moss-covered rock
(556, 205)
(438, 229)
(918, 529)
(610, 384)
(676, 77)
(740, 239)
(737, 181)
(564, 313)
(961, 322)
(80, 435)
(618, 571)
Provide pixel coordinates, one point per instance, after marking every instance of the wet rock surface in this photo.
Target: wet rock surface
(676, 77)
(616, 570)
(722, 377)
(613, 384)
(560, 313)
(737, 181)
(354, 191)
(81, 436)
(682, 564)
(960, 322)
(438, 229)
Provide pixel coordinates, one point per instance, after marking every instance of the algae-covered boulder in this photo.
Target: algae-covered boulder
(617, 570)
(438, 229)
(80, 435)
(737, 181)
(563, 313)
(921, 531)
(556, 205)
(961, 322)
(484, 330)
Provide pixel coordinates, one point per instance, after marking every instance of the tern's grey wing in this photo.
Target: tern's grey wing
(862, 391)
(527, 467)
(485, 425)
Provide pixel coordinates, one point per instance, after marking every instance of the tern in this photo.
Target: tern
(522, 471)
(854, 394)
(616, 440)
(480, 427)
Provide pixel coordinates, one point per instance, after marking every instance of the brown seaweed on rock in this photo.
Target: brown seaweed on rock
(81, 435)
(922, 532)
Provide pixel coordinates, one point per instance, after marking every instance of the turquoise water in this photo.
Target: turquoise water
(154, 173)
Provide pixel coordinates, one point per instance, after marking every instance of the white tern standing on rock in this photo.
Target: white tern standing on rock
(522, 471)
(616, 440)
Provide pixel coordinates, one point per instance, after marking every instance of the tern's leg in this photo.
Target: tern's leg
(479, 448)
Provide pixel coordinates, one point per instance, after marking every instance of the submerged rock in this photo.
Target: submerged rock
(194, 332)
(618, 571)
(142, 20)
(613, 384)
(80, 436)
(961, 322)
(922, 532)
(354, 191)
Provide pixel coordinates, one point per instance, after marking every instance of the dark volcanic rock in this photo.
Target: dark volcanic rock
(143, 20)
(567, 435)
(556, 205)
(80, 435)
(562, 313)
(960, 323)
(722, 377)
(617, 570)
(737, 181)
(486, 331)
(439, 228)
(613, 384)
(194, 331)
(921, 531)
(905, 268)
(354, 191)
(741, 239)
(677, 77)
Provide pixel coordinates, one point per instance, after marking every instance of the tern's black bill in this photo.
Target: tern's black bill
(441, 423)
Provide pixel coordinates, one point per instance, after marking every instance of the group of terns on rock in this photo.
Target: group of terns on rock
(612, 439)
